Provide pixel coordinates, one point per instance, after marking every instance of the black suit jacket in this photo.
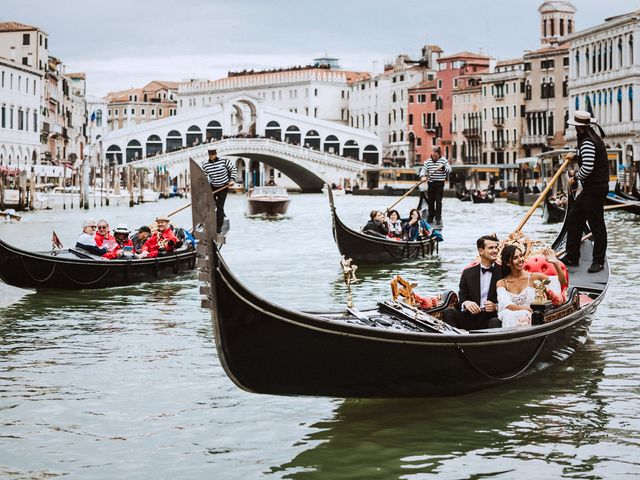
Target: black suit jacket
(470, 285)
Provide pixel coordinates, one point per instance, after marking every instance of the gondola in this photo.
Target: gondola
(388, 350)
(478, 197)
(366, 248)
(552, 212)
(623, 201)
(75, 270)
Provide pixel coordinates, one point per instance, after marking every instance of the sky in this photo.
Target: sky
(121, 44)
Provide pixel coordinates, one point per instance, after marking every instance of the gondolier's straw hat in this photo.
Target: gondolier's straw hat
(581, 118)
(162, 218)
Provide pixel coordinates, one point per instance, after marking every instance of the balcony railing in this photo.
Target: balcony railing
(471, 132)
(498, 122)
(498, 145)
(534, 140)
(428, 127)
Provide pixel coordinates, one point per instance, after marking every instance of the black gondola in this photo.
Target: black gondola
(623, 201)
(369, 249)
(482, 197)
(386, 351)
(75, 270)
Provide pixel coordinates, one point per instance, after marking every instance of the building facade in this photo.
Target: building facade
(20, 89)
(422, 120)
(503, 110)
(453, 71)
(318, 91)
(24, 44)
(466, 128)
(154, 101)
(604, 76)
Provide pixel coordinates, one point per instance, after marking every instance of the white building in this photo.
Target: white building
(379, 104)
(24, 45)
(604, 78)
(313, 91)
(20, 90)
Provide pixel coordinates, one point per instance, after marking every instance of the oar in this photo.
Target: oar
(537, 203)
(621, 205)
(188, 204)
(404, 196)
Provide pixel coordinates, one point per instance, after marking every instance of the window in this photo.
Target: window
(439, 84)
(411, 119)
(315, 92)
(99, 118)
(565, 61)
(410, 98)
(25, 61)
(160, 112)
(35, 121)
(26, 39)
(4, 117)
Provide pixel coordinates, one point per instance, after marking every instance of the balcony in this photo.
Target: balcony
(499, 145)
(471, 132)
(428, 127)
(534, 140)
(498, 122)
(498, 97)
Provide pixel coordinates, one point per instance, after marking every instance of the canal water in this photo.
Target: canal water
(126, 383)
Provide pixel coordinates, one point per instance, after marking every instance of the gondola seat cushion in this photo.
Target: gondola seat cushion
(539, 264)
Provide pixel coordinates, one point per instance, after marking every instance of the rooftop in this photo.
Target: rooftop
(16, 27)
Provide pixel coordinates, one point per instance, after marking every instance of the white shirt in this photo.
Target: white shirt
(86, 239)
(485, 283)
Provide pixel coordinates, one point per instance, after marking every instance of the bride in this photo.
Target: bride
(515, 290)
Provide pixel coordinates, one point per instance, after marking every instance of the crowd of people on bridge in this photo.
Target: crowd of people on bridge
(97, 239)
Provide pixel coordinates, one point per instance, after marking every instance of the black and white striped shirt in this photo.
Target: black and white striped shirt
(587, 152)
(432, 170)
(220, 172)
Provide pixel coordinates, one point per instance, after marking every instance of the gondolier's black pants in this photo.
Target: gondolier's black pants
(588, 207)
(434, 200)
(219, 197)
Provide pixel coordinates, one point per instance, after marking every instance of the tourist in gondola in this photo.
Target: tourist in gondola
(103, 236)
(161, 242)
(124, 246)
(415, 228)
(515, 290)
(87, 241)
(222, 173)
(140, 237)
(477, 296)
(394, 224)
(435, 170)
(376, 224)
(588, 206)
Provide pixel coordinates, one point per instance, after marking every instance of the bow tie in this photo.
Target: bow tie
(485, 270)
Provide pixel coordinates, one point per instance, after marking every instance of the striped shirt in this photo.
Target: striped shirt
(431, 169)
(220, 172)
(587, 152)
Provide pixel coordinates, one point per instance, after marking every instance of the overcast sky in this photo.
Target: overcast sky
(122, 44)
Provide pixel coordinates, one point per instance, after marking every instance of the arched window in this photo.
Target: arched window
(134, 151)
(332, 145)
(154, 145)
(631, 62)
(619, 52)
(114, 154)
(562, 27)
(569, 26)
(174, 141)
(213, 131)
(292, 135)
(351, 149)
(98, 118)
(370, 155)
(312, 140)
(273, 130)
(194, 135)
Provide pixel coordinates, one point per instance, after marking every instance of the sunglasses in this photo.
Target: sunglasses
(102, 228)
(92, 226)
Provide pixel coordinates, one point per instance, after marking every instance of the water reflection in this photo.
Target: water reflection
(548, 417)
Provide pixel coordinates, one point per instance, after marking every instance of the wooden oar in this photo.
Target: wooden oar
(621, 205)
(188, 204)
(537, 203)
(404, 196)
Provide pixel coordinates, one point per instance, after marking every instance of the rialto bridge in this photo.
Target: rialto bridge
(261, 139)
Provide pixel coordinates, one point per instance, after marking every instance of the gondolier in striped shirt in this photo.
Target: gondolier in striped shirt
(435, 170)
(589, 204)
(222, 175)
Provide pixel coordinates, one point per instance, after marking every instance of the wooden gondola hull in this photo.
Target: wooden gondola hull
(552, 213)
(46, 272)
(371, 249)
(267, 349)
(489, 198)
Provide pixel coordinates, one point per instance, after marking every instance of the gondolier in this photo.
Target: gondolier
(222, 173)
(435, 170)
(589, 204)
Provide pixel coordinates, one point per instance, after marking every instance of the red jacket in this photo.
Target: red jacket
(113, 253)
(154, 245)
(107, 241)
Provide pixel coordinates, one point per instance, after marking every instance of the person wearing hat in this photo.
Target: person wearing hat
(140, 237)
(124, 246)
(222, 175)
(588, 206)
(161, 242)
(435, 171)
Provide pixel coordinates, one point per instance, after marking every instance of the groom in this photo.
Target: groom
(478, 299)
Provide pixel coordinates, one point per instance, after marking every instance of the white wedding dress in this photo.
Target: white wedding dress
(515, 318)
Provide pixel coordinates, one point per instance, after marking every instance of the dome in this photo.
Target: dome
(557, 6)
